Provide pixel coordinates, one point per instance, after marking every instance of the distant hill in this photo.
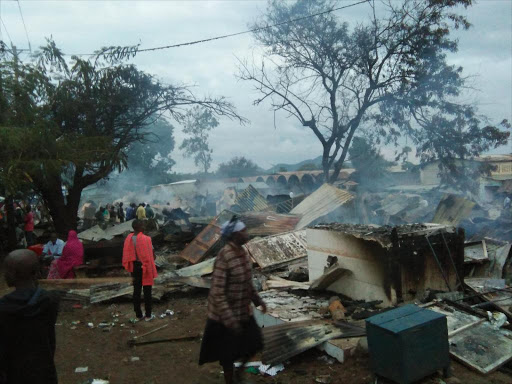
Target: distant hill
(295, 167)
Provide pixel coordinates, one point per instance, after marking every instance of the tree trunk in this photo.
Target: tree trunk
(11, 222)
(64, 215)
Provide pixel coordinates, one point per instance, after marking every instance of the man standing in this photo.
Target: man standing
(139, 260)
(120, 212)
(54, 247)
(130, 212)
(141, 211)
(150, 214)
(27, 324)
(29, 226)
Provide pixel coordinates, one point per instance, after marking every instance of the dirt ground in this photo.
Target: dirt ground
(108, 356)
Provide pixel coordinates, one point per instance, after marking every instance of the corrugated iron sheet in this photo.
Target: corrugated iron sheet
(250, 200)
(452, 210)
(320, 203)
(280, 249)
(208, 242)
(284, 341)
(268, 223)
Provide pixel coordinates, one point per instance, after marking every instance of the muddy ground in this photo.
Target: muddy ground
(108, 356)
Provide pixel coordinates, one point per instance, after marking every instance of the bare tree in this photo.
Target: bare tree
(379, 75)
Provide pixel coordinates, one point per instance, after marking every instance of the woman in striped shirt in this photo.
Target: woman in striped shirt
(231, 332)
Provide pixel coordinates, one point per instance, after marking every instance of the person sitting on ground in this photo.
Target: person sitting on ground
(53, 248)
(120, 212)
(141, 211)
(72, 256)
(139, 260)
(27, 324)
(29, 226)
(150, 214)
(231, 333)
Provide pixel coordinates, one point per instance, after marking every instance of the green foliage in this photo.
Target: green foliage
(309, 167)
(150, 160)
(198, 124)
(82, 116)
(238, 167)
(282, 169)
(367, 161)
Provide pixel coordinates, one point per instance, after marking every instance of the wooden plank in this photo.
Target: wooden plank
(329, 277)
(81, 283)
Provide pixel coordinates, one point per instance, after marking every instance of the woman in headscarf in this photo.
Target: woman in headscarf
(72, 256)
(231, 333)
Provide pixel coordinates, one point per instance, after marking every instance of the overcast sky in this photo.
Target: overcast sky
(83, 26)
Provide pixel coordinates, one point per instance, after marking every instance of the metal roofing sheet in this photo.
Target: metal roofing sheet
(452, 209)
(258, 224)
(320, 203)
(278, 249)
(251, 200)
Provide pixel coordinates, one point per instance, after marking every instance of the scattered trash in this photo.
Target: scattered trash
(90, 325)
(324, 379)
(81, 369)
(327, 359)
(271, 371)
(75, 322)
(135, 358)
(103, 325)
(99, 381)
(77, 306)
(73, 327)
(253, 370)
(497, 319)
(169, 312)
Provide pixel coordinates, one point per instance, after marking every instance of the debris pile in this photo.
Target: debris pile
(326, 262)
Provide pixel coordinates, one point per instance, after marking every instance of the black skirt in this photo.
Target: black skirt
(223, 345)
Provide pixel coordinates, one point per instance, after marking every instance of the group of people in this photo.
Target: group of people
(114, 213)
(25, 217)
(28, 314)
(140, 212)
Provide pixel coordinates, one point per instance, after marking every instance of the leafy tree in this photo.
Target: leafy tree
(198, 124)
(238, 167)
(150, 160)
(387, 75)
(367, 161)
(77, 118)
(308, 167)
(282, 169)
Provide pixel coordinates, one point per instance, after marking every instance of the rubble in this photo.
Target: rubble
(323, 201)
(299, 261)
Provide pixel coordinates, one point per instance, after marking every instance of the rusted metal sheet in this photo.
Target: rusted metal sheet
(209, 242)
(452, 210)
(250, 200)
(323, 201)
(279, 249)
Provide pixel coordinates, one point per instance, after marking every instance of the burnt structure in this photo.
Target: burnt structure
(392, 264)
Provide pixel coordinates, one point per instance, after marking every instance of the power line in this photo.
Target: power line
(237, 33)
(24, 26)
(6, 31)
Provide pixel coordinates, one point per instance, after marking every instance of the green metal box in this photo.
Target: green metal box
(408, 343)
